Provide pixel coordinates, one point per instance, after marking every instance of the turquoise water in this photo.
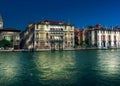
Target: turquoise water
(66, 68)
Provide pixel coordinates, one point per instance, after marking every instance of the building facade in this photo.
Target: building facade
(48, 35)
(78, 38)
(104, 38)
(10, 34)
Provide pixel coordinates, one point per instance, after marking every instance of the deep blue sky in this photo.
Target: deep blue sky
(18, 13)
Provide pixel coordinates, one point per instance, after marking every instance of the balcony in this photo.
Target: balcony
(56, 40)
(56, 34)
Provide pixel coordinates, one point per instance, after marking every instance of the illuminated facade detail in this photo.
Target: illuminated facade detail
(104, 38)
(48, 35)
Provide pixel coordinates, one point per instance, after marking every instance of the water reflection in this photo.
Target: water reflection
(56, 68)
(67, 68)
(109, 63)
(9, 68)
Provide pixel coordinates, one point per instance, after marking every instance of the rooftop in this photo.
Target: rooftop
(10, 29)
(99, 27)
(51, 22)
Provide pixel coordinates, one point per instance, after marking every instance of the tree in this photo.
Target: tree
(84, 44)
(6, 44)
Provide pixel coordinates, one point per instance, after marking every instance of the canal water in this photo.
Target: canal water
(66, 68)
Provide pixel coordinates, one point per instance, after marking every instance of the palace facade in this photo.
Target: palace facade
(104, 38)
(48, 35)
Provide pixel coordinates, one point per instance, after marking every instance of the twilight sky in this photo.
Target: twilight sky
(81, 13)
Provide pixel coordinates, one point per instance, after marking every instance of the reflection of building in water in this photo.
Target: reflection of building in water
(9, 70)
(109, 65)
(48, 35)
(61, 68)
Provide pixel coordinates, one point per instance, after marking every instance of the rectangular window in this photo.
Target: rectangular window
(114, 37)
(103, 37)
(109, 37)
(98, 37)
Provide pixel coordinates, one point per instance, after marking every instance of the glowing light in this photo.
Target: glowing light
(109, 66)
(8, 70)
(55, 68)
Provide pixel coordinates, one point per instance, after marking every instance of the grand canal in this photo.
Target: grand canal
(66, 68)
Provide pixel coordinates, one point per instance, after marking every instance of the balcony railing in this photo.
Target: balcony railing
(56, 34)
(56, 40)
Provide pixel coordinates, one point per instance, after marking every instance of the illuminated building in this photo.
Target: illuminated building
(10, 34)
(48, 35)
(104, 38)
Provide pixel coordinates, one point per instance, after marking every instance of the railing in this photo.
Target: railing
(56, 34)
(56, 40)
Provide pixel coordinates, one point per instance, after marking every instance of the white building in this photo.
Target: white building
(104, 38)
